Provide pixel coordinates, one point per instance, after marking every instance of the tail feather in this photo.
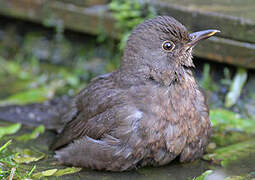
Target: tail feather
(47, 113)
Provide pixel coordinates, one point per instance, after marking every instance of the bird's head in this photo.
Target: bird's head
(162, 44)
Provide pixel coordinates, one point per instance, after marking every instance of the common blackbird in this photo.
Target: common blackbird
(148, 112)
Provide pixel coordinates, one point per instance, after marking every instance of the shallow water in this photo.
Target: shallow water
(173, 171)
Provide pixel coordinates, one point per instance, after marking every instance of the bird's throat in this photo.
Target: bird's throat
(177, 76)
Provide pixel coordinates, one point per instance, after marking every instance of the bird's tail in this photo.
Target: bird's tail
(47, 113)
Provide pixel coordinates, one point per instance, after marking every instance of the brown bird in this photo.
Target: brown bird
(148, 112)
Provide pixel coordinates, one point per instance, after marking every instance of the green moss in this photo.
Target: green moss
(237, 178)
(230, 127)
(204, 175)
(227, 155)
(228, 120)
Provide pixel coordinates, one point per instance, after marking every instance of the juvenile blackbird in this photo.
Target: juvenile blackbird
(148, 112)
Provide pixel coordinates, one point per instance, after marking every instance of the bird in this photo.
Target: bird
(148, 112)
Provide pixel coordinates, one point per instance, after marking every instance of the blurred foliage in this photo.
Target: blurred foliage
(56, 172)
(236, 87)
(204, 176)
(27, 156)
(18, 161)
(11, 159)
(33, 135)
(244, 177)
(230, 128)
(11, 129)
(228, 120)
(36, 83)
(9, 167)
(226, 155)
(32, 81)
(207, 81)
(128, 14)
(226, 80)
(45, 173)
(66, 171)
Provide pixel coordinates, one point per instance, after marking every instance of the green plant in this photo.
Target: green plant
(236, 87)
(128, 14)
(207, 81)
(9, 167)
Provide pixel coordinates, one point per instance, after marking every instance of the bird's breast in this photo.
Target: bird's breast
(171, 118)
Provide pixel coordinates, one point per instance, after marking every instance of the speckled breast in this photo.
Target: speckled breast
(176, 123)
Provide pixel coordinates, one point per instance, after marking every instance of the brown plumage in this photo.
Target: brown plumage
(148, 112)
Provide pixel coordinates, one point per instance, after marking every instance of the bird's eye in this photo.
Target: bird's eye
(168, 45)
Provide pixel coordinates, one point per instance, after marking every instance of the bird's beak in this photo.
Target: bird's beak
(200, 35)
